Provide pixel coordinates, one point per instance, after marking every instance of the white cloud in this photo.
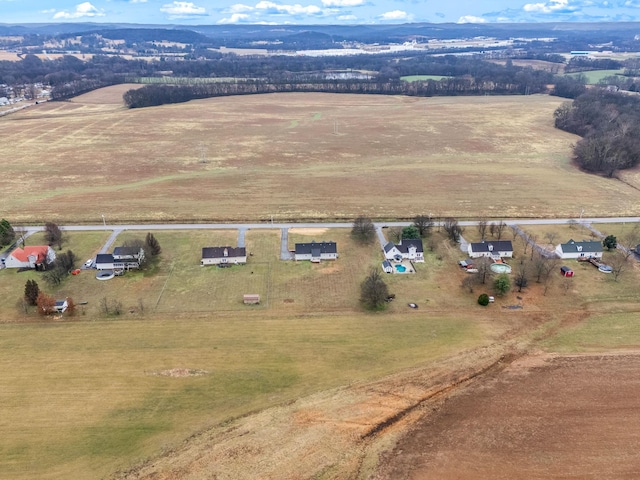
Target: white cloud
(471, 19)
(82, 10)
(137, 1)
(239, 8)
(279, 9)
(235, 18)
(552, 6)
(342, 3)
(632, 3)
(347, 18)
(395, 15)
(182, 9)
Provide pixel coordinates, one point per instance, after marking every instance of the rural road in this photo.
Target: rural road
(116, 229)
(254, 226)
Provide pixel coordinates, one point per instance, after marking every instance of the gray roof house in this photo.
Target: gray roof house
(105, 261)
(493, 249)
(316, 251)
(584, 249)
(223, 256)
(407, 249)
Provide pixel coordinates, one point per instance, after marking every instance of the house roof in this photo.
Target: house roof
(126, 251)
(104, 258)
(388, 247)
(316, 248)
(404, 245)
(219, 252)
(586, 246)
(493, 246)
(23, 254)
(386, 264)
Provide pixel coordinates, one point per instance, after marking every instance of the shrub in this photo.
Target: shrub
(483, 299)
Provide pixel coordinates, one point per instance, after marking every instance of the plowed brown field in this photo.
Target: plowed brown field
(543, 417)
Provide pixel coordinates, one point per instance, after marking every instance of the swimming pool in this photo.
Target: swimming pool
(401, 268)
(500, 268)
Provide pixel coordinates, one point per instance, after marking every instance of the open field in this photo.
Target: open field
(296, 156)
(416, 78)
(595, 76)
(193, 358)
(306, 384)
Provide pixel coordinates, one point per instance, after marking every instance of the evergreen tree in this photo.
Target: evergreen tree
(152, 247)
(31, 292)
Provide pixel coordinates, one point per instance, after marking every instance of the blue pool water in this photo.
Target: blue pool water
(401, 268)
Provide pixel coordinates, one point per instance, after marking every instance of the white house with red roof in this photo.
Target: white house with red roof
(30, 257)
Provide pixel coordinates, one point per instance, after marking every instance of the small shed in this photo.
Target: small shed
(386, 267)
(251, 298)
(566, 271)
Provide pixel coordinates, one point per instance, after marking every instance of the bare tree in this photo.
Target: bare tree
(572, 222)
(499, 229)
(452, 229)
(482, 228)
(551, 237)
(521, 279)
(21, 236)
(543, 266)
(363, 230)
(468, 282)
(483, 265)
(618, 265)
(533, 239)
(423, 223)
(53, 235)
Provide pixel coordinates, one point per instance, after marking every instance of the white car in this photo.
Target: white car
(88, 263)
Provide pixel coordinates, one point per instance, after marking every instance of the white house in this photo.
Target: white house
(316, 251)
(387, 267)
(407, 249)
(223, 256)
(105, 261)
(132, 256)
(494, 249)
(584, 249)
(30, 257)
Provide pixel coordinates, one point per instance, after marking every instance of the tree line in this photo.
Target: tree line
(153, 95)
(609, 124)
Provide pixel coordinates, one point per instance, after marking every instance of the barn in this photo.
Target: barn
(566, 271)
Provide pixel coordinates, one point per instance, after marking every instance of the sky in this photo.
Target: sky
(309, 12)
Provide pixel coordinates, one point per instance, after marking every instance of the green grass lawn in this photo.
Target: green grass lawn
(600, 332)
(79, 400)
(595, 76)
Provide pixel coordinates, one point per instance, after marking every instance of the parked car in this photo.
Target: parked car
(89, 263)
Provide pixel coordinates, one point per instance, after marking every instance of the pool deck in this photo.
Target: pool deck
(405, 263)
